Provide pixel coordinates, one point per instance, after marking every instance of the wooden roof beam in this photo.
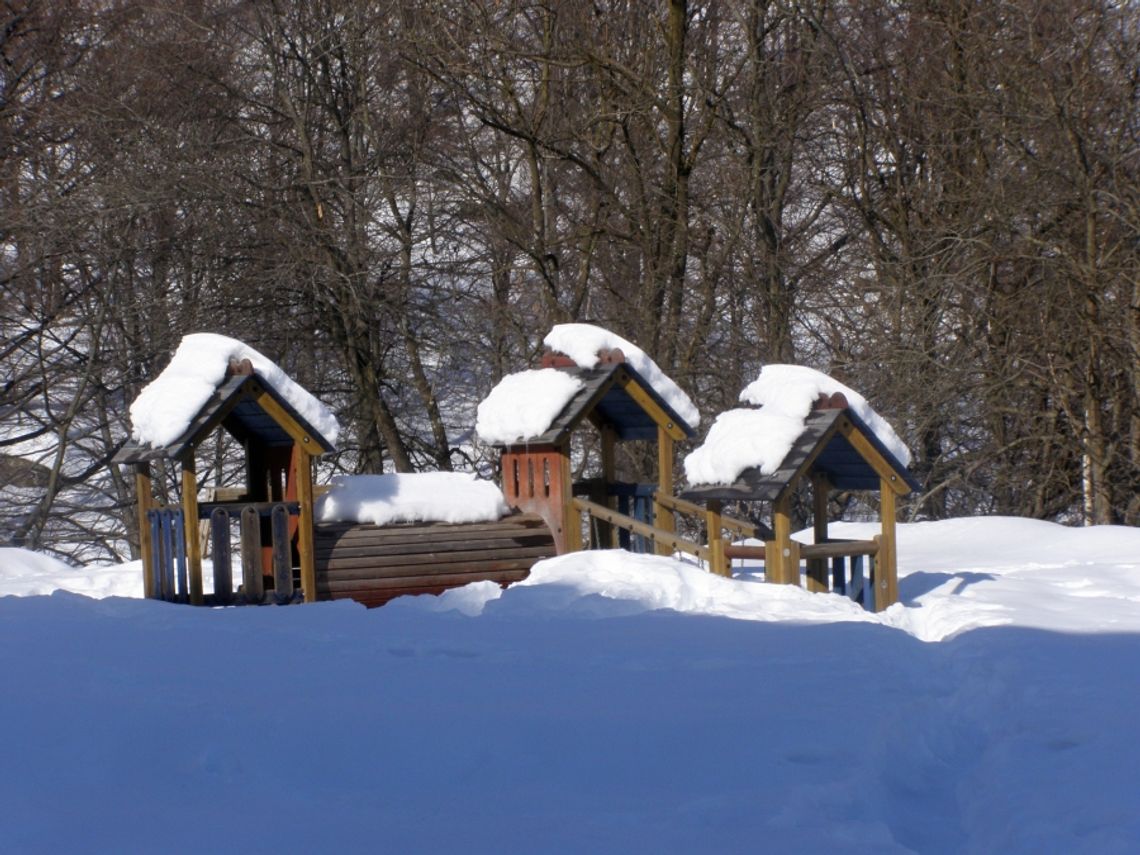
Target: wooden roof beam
(889, 476)
(645, 400)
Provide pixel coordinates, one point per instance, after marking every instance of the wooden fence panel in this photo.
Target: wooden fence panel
(182, 594)
(252, 583)
(282, 556)
(223, 556)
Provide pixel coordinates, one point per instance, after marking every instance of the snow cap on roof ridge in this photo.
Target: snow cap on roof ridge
(584, 342)
(164, 409)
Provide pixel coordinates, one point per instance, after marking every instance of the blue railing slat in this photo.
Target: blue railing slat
(176, 523)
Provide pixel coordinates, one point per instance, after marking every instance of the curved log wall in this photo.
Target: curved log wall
(373, 564)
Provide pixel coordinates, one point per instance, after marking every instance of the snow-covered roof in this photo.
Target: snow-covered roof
(761, 440)
(449, 497)
(792, 389)
(613, 392)
(593, 371)
(524, 405)
(584, 342)
(166, 407)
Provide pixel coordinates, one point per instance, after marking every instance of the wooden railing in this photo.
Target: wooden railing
(633, 500)
(841, 566)
(168, 570)
(659, 536)
(249, 516)
(666, 539)
(741, 528)
(846, 567)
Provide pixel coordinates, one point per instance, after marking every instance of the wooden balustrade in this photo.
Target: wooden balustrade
(663, 538)
(739, 527)
(167, 574)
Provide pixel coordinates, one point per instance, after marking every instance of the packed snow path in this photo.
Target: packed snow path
(578, 715)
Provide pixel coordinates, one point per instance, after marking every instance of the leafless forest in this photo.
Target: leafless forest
(936, 202)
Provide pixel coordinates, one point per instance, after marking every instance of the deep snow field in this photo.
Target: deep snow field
(611, 703)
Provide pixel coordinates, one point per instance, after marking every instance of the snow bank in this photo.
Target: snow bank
(962, 574)
(581, 342)
(582, 712)
(449, 497)
(165, 407)
(24, 573)
(613, 582)
(524, 405)
(955, 576)
(744, 438)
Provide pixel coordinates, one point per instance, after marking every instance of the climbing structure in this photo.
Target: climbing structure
(292, 545)
(807, 429)
(802, 427)
(610, 397)
(275, 506)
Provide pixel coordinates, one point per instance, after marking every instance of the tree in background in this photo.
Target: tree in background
(935, 202)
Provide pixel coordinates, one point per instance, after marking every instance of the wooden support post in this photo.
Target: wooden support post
(609, 533)
(282, 555)
(145, 502)
(165, 581)
(886, 562)
(780, 552)
(191, 528)
(305, 554)
(178, 532)
(855, 590)
(839, 574)
(718, 561)
(817, 567)
(662, 515)
(571, 519)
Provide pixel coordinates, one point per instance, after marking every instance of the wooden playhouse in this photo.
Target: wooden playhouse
(286, 556)
(836, 450)
(274, 509)
(616, 402)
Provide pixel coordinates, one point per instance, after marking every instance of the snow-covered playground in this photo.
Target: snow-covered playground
(612, 703)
